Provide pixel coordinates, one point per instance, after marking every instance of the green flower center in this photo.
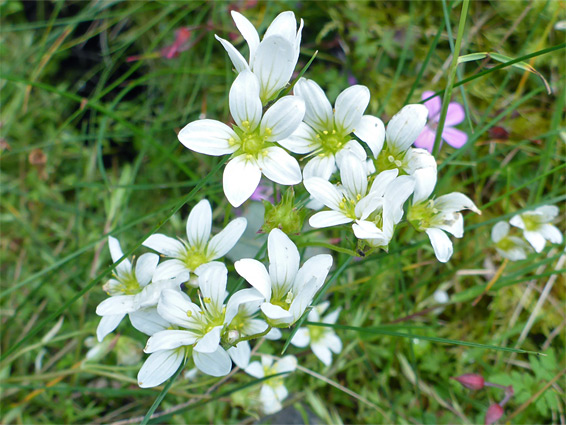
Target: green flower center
(129, 285)
(194, 258)
(252, 142)
(505, 244)
(421, 215)
(388, 160)
(315, 333)
(531, 222)
(348, 206)
(331, 142)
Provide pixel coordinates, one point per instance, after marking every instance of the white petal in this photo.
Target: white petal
(276, 314)
(255, 274)
(382, 181)
(454, 202)
(371, 130)
(173, 307)
(145, 267)
(285, 364)
(283, 118)
(209, 342)
(322, 352)
(249, 299)
(150, 294)
(303, 140)
(224, 241)
(107, 325)
(318, 109)
(551, 233)
(274, 63)
(395, 196)
(241, 178)
(240, 354)
(284, 25)
(172, 269)
(213, 364)
(425, 181)
(324, 192)
(116, 253)
(301, 338)
(209, 137)
(255, 369)
(281, 392)
(328, 219)
(169, 340)
(320, 166)
(120, 304)
(536, 240)
(159, 367)
(212, 283)
(280, 167)
(349, 149)
(199, 224)
(269, 401)
(284, 261)
(405, 126)
(441, 244)
(452, 223)
(547, 212)
(353, 176)
(499, 231)
(366, 230)
(517, 221)
(148, 321)
(350, 106)
(316, 268)
(165, 245)
(248, 31)
(244, 101)
(274, 334)
(331, 318)
(236, 57)
(333, 342)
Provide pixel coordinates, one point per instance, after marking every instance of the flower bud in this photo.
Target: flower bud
(493, 414)
(471, 380)
(233, 336)
(284, 216)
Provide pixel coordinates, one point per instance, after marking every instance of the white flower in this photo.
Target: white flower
(402, 130)
(273, 391)
(272, 60)
(537, 228)
(130, 289)
(328, 134)
(351, 201)
(288, 290)
(251, 141)
(323, 340)
(436, 216)
(200, 328)
(199, 249)
(378, 229)
(510, 247)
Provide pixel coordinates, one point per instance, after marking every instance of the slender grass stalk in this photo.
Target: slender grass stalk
(451, 77)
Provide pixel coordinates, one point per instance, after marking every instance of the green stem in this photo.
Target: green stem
(451, 77)
(254, 336)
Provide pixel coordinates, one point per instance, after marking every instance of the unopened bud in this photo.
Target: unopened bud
(233, 336)
(493, 414)
(471, 380)
(284, 215)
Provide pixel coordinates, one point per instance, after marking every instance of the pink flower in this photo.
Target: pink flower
(471, 380)
(181, 43)
(455, 115)
(493, 414)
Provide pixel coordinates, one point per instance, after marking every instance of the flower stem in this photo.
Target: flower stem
(451, 77)
(254, 336)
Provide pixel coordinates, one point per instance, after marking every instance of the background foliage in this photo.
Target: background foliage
(89, 149)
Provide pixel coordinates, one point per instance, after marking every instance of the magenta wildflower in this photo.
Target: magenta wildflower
(494, 413)
(455, 115)
(472, 381)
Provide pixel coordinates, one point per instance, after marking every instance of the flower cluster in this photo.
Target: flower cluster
(357, 172)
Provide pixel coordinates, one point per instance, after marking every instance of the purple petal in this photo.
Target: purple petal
(454, 137)
(455, 114)
(433, 105)
(425, 139)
